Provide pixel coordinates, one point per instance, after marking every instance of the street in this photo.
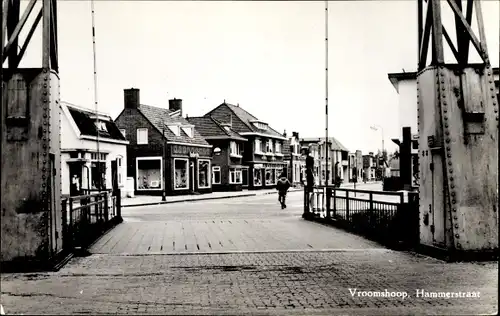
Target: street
(247, 256)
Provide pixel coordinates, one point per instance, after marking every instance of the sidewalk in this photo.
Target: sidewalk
(143, 200)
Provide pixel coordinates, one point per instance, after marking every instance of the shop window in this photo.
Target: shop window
(180, 174)
(203, 173)
(257, 177)
(277, 174)
(142, 136)
(216, 175)
(270, 177)
(149, 173)
(235, 176)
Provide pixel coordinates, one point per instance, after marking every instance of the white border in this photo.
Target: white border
(187, 174)
(137, 172)
(209, 176)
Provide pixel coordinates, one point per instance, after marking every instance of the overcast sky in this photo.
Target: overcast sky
(267, 56)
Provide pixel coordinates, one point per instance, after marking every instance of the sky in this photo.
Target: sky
(267, 56)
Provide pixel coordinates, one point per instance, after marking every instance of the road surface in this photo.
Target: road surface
(247, 256)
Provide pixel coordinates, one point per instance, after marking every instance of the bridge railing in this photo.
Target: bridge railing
(86, 217)
(388, 217)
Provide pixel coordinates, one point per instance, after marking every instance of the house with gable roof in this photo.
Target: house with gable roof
(262, 152)
(93, 151)
(166, 154)
(227, 166)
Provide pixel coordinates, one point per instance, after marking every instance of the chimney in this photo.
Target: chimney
(284, 133)
(175, 104)
(295, 134)
(131, 98)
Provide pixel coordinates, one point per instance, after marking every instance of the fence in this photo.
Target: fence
(87, 217)
(388, 217)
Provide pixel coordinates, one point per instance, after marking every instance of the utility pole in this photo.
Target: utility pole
(326, 92)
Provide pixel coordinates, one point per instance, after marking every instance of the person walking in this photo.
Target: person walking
(282, 186)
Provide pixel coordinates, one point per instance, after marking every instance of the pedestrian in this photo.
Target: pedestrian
(282, 186)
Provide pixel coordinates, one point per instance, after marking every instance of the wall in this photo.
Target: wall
(131, 120)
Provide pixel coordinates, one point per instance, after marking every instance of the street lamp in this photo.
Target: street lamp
(376, 128)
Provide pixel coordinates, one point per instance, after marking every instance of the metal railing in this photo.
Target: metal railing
(389, 217)
(86, 217)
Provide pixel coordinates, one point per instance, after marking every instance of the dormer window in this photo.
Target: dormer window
(260, 125)
(101, 126)
(188, 131)
(175, 129)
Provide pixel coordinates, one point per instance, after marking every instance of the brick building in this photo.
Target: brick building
(262, 152)
(227, 166)
(166, 153)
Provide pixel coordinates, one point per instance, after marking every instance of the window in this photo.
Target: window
(269, 146)
(235, 149)
(216, 175)
(235, 176)
(180, 174)
(149, 171)
(270, 177)
(119, 170)
(175, 129)
(258, 146)
(142, 136)
(101, 126)
(278, 147)
(188, 131)
(124, 132)
(257, 177)
(260, 125)
(98, 170)
(203, 173)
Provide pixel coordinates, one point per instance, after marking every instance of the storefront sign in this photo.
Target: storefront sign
(191, 151)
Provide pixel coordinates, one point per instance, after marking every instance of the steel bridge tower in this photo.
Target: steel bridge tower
(458, 135)
(31, 229)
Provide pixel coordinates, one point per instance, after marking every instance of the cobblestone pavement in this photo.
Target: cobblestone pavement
(253, 283)
(245, 224)
(278, 264)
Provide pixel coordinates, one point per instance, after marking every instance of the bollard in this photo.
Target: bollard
(119, 206)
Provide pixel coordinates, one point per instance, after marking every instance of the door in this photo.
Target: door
(75, 179)
(244, 173)
(191, 176)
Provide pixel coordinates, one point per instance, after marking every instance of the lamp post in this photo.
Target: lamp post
(376, 128)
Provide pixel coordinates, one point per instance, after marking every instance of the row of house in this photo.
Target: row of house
(157, 150)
